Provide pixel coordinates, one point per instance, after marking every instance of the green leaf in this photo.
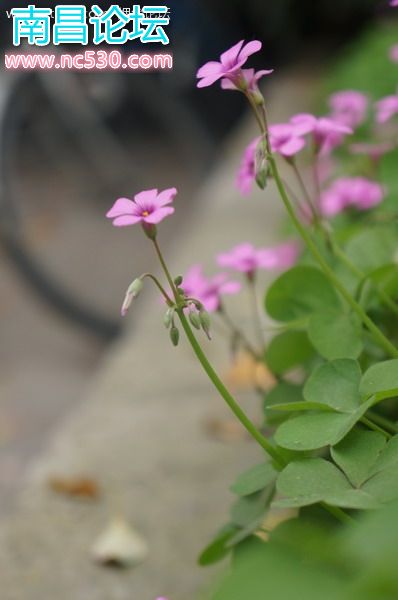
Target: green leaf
(381, 380)
(314, 480)
(336, 384)
(310, 480)
(249, 509)
(358, 453)
(218, 549)
(282, 393)
(384, 485)
(388, 458)
(372, 248)
(254, 480)
(288, 350)
(299, 293)
(303, 406)
(335, 334)
(317, 430)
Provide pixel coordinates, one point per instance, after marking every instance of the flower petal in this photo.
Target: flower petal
(159, 214)
(166, 197)
(126, 220)
(122, 206)
(227, 84)
(292, 146)
(145, 198)
(262, 73)
(207, 81)
(210, 68)
(230, 57)
(249, 49)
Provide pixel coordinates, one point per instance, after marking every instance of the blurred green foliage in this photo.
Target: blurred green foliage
(365, 65)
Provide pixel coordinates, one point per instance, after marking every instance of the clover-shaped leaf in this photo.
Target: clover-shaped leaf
(334, 406)
(381, 381)
(364, 476)
(314, 480)
(299, 293)
(254, 480)
(358, 453)
(288, 350)
(336, 334)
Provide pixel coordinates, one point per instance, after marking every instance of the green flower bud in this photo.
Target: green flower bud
(133, 291)
(168, 317)
(136, 288)
(195, 319)
(174, 336)
(178, 280)
(205, 322)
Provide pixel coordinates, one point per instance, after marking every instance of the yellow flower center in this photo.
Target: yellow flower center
(145, 213)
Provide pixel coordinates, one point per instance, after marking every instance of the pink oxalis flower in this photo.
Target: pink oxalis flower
(349, 107)
(285, 140)
(246, 175)
(230, 65)
(149, 207)
(249, 79)
(327, 132)
(386, 108)
(208, 291)
(245, 258)
(356, 192)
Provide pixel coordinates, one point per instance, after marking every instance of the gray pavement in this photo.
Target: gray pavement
(139, 431)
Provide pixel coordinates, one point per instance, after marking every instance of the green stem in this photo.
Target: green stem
(383, 422)
(369, 423)
(238, 333)
(304, 190)
(328, 271)
(337, 512)
(165, 269)
(258, 326)
(229, 399)
(378, 335)
(159, 286)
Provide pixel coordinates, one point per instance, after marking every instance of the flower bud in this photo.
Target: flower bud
(133, 291)
(174, 336)
(205, 322)
(262, 177)
(178, 281)
(168, 317)
(195, 319)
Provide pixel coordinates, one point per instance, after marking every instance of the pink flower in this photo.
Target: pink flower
(285, 140)
(327, 133)
(357, 192)
(147, 207)
(230, 65)
(246, 175)
(386, 108)
(208, 291)
(374, 151)
(245, 258)
(393, 3)
(394, 53)
(349, 107)
(249, 80)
